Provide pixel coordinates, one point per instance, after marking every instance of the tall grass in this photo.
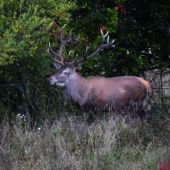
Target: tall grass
(69, 143)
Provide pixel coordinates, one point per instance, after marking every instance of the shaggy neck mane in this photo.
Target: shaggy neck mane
(76, 87)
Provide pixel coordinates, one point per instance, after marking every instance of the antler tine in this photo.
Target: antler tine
(106, 34)
(63, 42)
(58, 55)
(102, 39)
(101, 46)
(108, 39)
(53, 51)
(113, 41)
(61, 45)
(76, 38)
(60, 62)
(68, 39)
(61, 33)
(63, 26)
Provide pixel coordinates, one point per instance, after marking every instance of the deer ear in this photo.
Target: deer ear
(56, 65)
(71, 68)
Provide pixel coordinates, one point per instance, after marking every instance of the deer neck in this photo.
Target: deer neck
(76, 88)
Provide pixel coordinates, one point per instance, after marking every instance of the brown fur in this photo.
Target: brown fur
(104, 93)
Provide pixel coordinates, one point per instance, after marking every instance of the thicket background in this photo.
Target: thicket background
(142, 33)
(28, 26)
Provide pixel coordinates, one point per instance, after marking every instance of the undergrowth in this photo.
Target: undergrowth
(69, 143)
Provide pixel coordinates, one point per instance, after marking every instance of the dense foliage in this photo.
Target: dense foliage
(141, 30)
(138, 27)
(26, 28)
(144, 29)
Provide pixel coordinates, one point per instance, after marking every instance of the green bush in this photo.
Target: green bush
(26, 28)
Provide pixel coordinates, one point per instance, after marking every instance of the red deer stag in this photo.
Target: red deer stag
(97, 92)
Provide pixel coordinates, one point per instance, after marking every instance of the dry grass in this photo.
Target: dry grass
(71, 144)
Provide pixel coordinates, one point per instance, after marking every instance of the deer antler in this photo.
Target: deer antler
(101, 46)
(63, 42)
(68, 39)
(57, 61)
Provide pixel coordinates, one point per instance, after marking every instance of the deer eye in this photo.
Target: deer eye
(65, 73)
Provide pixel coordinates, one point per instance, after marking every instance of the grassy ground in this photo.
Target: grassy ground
(111, 143)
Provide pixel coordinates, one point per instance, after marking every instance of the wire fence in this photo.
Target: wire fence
(160, 88)
(160, 80)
